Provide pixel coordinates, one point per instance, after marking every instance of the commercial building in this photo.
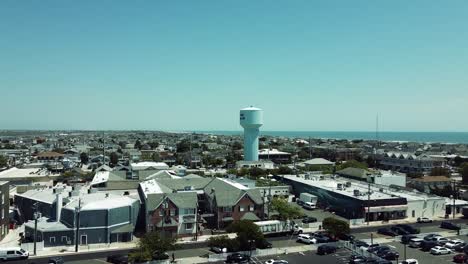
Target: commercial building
(359, 201)
(409, 163)
(4, 208)
(278, 157)
(102, 217)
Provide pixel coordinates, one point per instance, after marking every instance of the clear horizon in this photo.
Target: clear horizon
(190, 66)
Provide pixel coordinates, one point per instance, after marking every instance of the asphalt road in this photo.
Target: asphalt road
(202, 249)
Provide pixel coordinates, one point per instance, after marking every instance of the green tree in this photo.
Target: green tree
(285, 170)
(285, 210)
(114, 158)
(464, 172)
(256, 172)
(150, 244)
(3, 161)
(138, 144)
(246, 231)
(156, 157)
(224, 241)
(352, 164)
(183, 146)
(335, 226)
(153, 144)
(84, 158)
(237, 145)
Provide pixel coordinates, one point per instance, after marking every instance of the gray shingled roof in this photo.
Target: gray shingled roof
(227, 195)
(181, 200)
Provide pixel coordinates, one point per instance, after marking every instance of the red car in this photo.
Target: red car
(460, 258)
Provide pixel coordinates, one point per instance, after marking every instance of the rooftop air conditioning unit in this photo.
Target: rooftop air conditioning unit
(348, 184)
(356, 193)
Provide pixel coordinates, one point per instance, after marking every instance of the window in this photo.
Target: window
(64, 239)
(161, 212)
(251, 208)
(10, 252)
(413, 213)
(188, 226)
(241, 208)
(189, 211)
(52, 240)
(172, 212)
(227, 209)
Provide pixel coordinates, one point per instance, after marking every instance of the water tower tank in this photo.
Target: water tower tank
(251, 119)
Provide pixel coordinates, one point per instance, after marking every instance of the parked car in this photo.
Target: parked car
(406, 238)
(276, 261)
(390, 255)
(386, 232)
(264, 244)
(424, 220)
(412, 230)
(460, 247)
(438, 250)
(322, 239)
(453, 243)
(216, 250)
(309, 219)
(117, 259)
(460, 258)
(160, 256)
(346, 237)
(370, 248)
(59, 260)
(307, 239)
(441, 241)
(237, 258)
(428, 245)
(409, 261)
(399, 231)
(376, 249)
(13, 253)
(354, 259)
(359, 243)
(326, 249)
(415, 242)
(431, 236)
(449, 225)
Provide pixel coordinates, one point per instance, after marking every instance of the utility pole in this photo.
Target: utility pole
(77, 239)
(454, 196)
(196, 223)
(36, 216)
(310, 148)
(368, 202)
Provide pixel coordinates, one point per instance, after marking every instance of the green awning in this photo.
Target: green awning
(250, 216)
(128, 228)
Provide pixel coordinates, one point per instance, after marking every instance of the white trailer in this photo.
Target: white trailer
(308, 198)
(277, 227)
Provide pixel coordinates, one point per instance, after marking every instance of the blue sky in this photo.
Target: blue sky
(191, 65)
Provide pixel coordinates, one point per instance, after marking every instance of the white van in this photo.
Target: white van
(307, 239)
(415, 242)
(309, 205)
(13, 253)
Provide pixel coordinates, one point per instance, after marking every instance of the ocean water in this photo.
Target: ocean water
(435, 137)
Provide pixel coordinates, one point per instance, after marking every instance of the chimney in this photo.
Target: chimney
(58, 206)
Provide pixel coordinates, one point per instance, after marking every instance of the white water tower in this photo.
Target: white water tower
(251, 119)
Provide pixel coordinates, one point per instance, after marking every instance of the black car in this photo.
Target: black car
(449, 225)
(427, 245)
(264, 244)
(117, 259)
(406, 238)
(409, 229)
(309, 219)
(460, 247)
(216, 250)
(160, 256)
(322, 239)
(58, 260)
(237, 258)
(346, 237)
(359, 243)
(390, 255)
(386, 231)
(326, 249)
(399, 231)
(354, 259)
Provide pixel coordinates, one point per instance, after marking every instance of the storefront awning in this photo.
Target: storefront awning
(389, 208)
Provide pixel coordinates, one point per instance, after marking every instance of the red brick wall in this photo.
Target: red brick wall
(236, 214)
(155, 218)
